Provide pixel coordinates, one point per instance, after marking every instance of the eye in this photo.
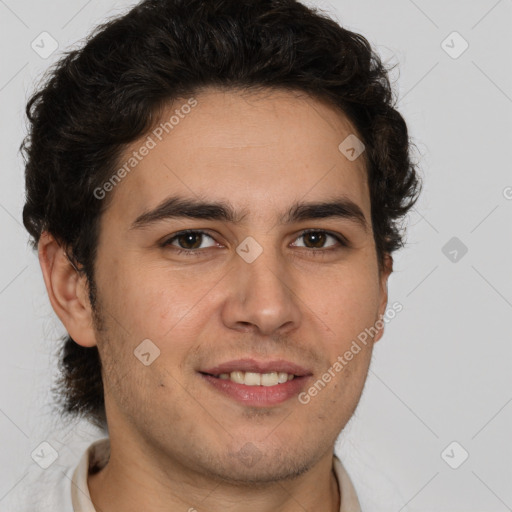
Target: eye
(188, 241)
(191, 241)
(316, 238)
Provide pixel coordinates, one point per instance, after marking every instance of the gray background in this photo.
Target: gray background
(442, 371)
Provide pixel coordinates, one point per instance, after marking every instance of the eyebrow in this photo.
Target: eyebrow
(182, 207)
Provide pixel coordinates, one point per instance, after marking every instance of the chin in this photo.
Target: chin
(250, 465)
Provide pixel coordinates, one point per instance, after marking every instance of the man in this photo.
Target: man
(215, 190)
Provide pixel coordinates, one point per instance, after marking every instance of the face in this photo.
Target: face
(244, 289)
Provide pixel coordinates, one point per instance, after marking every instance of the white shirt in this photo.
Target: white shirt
(69, 492)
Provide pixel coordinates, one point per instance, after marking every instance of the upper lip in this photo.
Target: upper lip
(251, 365)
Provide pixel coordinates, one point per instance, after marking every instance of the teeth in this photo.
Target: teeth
(257, 379)
(269, 379)
(252, 379)
(282, 377)
(237, 377)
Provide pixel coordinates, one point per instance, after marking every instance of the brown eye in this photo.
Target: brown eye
(316, 239)
(188, 240)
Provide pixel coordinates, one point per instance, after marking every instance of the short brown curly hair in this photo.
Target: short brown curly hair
(99, 98)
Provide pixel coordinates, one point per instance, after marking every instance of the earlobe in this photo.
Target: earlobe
(67, 290)
(385, 272)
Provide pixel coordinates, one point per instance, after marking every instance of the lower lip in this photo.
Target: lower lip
(262, 396)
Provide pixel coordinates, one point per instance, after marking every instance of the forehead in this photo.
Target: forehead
(259, 149)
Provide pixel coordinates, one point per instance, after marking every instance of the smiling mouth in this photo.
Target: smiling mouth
(254, 378)
(256, 389)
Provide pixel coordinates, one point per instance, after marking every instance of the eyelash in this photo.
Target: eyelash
(197, 252)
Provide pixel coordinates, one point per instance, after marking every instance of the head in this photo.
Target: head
(238, 117)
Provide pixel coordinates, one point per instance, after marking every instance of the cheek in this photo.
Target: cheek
(347, 303)
(151, 302)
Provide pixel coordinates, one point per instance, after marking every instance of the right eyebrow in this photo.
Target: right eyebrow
(175, 207)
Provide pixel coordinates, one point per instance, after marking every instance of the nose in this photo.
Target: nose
(262, 296)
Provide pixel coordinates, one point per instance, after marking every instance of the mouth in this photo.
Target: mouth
(255, 383)
(254, 378)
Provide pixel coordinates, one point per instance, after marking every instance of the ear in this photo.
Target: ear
(67, 290)
(384, 273)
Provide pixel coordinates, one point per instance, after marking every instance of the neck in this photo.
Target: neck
(133, 481)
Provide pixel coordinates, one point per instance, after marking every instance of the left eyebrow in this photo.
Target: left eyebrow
(341, 208)
(180, 207)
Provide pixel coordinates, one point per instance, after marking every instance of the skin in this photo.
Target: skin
(175, 440)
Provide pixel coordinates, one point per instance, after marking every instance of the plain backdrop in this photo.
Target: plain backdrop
(441, 374)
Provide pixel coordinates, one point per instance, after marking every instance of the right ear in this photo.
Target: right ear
(67, 290)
